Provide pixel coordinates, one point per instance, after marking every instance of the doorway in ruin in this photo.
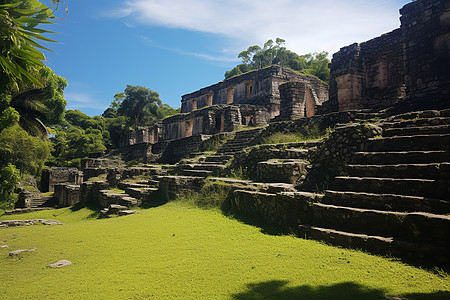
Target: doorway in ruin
(188, 128)
(230, 95)
(310, 104)
(219, 123)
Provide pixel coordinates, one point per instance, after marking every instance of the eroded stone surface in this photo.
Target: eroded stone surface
(59, 264)
(17, 252)
(14, 223)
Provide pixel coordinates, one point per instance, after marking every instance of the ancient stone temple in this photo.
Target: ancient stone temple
(401, 66)
(251, 99)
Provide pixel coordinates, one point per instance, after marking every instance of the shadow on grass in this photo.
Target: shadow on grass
(278, 290)
(95, 207)
(256, 221)
(156, 199)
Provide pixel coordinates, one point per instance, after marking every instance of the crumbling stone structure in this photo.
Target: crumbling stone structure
(150, 134)
(52, 176)
(399, 66)
(251, 99)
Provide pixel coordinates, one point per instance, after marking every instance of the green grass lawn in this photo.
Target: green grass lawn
(180, 252)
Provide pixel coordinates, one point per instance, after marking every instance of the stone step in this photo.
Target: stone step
(401, 157)
(152, 182)
(140, 193)
(220, 163)
(125, 185)
(415, 226)
(438, 121)
(218, 158)
(42, 202)
(421, 130)
(387, 202)
(410, 143)
(197, 173)
(368, 115)
(429, 252)
(424, 171)
(209, 167)
(109, 197)
(398, 186)
(419, 115)
(241, 140)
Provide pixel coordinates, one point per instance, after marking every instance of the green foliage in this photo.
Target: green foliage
(9, 177)
(20, 58)
(8, 118)
(214, 142)
(307, 133)
(140, 106)
(26, 152)
(36, 106)
(72, 143)
(256, 57)
(212, 195)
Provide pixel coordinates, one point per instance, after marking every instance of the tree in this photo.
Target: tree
(20, 60)
(29, 92)
(256, 57)
(140, 105)
(26, 152)
(26, 84)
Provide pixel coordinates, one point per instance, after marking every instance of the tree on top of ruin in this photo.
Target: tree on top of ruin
(274, 53)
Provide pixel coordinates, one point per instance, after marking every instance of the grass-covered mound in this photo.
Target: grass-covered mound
(180, 252)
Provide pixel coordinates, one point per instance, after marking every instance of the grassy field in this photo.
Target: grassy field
(180, 252)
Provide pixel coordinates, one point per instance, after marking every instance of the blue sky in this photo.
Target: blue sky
(175, 47)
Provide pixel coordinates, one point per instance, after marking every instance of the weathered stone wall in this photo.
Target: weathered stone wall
(214, 119)
(149, 134)
(299, 99)
(286, 209)
(52, 176)
(282, 170)
(180, 148)
(425, 25)
(97, 163)
(330, 157)
(320, 122)
(368, 75)
(67, 194)
(141, 152)
(90, 191)
(408, 66)
(256, 88)
(173, 186)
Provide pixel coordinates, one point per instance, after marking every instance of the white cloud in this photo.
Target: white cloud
(305, 25)
(183, 52)
(80, 100)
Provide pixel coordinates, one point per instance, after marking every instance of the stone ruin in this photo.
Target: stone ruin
(380, 181)
(408, 66)
(405, 70)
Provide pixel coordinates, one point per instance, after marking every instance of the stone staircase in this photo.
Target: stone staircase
(211, 165)
(108, 197)
(40, 202)
(395, 197)
(241, 140)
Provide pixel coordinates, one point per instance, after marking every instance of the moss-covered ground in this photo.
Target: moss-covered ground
(177, 251)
